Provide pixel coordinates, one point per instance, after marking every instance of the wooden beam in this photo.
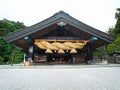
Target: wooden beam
(49, 40)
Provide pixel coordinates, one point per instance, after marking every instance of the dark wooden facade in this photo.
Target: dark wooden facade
(70, 29)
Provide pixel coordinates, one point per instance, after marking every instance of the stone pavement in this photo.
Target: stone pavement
(60, 77)
(59, 66)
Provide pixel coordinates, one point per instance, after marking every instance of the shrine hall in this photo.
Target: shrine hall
(59, 39)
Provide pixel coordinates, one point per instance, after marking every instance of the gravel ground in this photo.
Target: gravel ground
(103, 78)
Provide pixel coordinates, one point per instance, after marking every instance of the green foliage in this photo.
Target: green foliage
(6, 50)
(99, 52)
(1, 59)
(111, 31)
(117, 25)
(115, 31)
(17, 55)
(7, 26)
(115, 46)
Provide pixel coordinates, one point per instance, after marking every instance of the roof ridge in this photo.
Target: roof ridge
(59, 16)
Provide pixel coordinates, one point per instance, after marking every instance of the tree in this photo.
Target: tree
(111, 31)
(7, 26)
(115, 46)
(117, 25)
(115, 31)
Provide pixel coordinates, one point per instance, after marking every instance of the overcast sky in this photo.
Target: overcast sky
(96, 13)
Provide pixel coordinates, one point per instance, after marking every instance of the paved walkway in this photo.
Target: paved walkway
(60, 77)
(60, 66)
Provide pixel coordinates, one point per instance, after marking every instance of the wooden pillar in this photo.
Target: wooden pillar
(30, 57)
(33, 51)
(91, 52)
(88, 53)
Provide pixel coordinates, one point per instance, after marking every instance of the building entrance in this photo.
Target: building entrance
(60, 59)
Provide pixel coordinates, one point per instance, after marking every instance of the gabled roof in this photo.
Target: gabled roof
(58, 17)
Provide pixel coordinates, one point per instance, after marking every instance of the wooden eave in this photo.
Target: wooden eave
(51, 23)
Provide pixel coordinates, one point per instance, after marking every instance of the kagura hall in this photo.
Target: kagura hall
(60, 39)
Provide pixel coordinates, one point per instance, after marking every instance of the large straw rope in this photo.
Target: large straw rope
(40, 45)
(70, 44)
(79, 45)
(57, 45)
(61, 46)
(49, 45)
(85, 42)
